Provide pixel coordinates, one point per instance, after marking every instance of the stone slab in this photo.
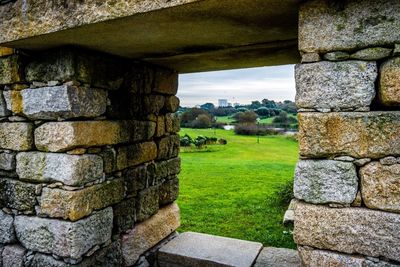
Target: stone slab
(7, 233)
(389, 85)
(66, 102)
(10, 70)
(17, 195)
(380, 186)
(355, 134)
(278, 257)
(63, 238)
(73, 170)
(325, 181)
(335, 85)
(7, 161)
(317, 258)
(348, 230)
(63, 136)
(132, 155)
(194, 249)
(16, 136)
(13, 256)
(147, 234)
(348, 25)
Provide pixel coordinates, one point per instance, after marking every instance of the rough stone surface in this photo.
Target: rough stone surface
(160, 129)
(380, 186)
(310, 57)
(338, 85)
(153, 103)
(63, 238)
(16, 136)
(147, 203)
(128, 156)
(10, 70)
(355, 134)
(374, 53)
(325, 181)
(124, 215)
(7, 233)
(316, 258)
(166, 82)
(3, 106)
(17, 195)
(172, 123)
(51, 103)
(150, 232)
(169, 191)
(7, 161)
(389, 85)
(74, 205)
(171, 104)
(194, 249)
(288, 217)
(388, 160)
(336, 56)
(348, 230)
(167, 168)
(13, 101)
(355, 24)
(168, 147)
(73, 170)
(13, 256)
(278, 257)
(63, 136)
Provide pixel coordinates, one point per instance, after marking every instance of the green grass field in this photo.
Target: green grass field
(229, 191)
(230, 120)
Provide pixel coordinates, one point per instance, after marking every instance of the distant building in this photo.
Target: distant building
(222, 103)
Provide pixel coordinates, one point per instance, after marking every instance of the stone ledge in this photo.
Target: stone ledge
(201, 250)
(278, 257)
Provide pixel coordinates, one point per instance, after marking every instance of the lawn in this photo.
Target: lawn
(230, 120)
(229, 191)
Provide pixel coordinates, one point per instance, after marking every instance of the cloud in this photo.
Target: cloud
(240, 86)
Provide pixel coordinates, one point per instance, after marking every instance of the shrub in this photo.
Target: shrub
(252, 129)
(222, 141)
(249, 117)
(196, 116)
(186, 141)
(202, 121)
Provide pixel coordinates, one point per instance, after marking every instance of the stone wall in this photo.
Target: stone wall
(88, 158)
(347, 180)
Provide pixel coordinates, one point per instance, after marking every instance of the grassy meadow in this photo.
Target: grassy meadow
(230, 120)
(229, 190)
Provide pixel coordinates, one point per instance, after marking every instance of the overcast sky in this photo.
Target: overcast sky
(238, 86)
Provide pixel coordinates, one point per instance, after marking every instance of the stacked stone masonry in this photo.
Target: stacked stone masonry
(348, 94)
(88, 158)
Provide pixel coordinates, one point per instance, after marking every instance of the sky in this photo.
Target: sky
(238, 86)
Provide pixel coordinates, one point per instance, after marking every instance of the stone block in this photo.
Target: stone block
(64, 136)
(10, 70)
(335, 85)
(6, 51)
(325, 181)
(109, 156)
(13, 256)
(7, 161)
(138, 178)
(74, 205)
(13, 101)
(336, 56)
(17, 195)
(147, 203)
(194, 249)
(70, 64)
(316, 258)
(153, 104)
(348, 230)
(349, 25)
(16, 136)
(132, 155)
(147, 234)
(124, 215)
(3, 106)
(168, 147)
(171, 104)
(165, 82)
(389, 85)
(278, 257)
(7, 233)
(73, 170)
(63, 238)
(167, 168)
(310, 57)
(373, 53)
(172, 123)
(52, 103)
(160, 130)
(355, 134)
(169, 191)
(380, 186)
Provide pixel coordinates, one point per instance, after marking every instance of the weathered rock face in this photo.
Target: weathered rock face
(168, 147)
(147, 203)
(13, 255)
(374, 53)
(51, 103)
(16, 136)
(316, 258)
(10, 70)
(169, 191)
(63, 238)
(124, 215)
(62, 136)
(148, 233)
(380, 186)
(356, 134)
(73, 170)
(389, 86)
(7, 233)
(3, 106)
(277, 257)
(132, 155)
(347, 26)
(17, 195)
(74, 205)
(335, 85)
(325, 181)
(348, 230)
(7, 161)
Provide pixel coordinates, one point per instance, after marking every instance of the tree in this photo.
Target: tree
(255, 104)
(248, 117)
(202, 121)
(268, 103)
(263, 111)
(208, 106)
(190, 115)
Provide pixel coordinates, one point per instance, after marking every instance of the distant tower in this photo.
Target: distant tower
(222, 103)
